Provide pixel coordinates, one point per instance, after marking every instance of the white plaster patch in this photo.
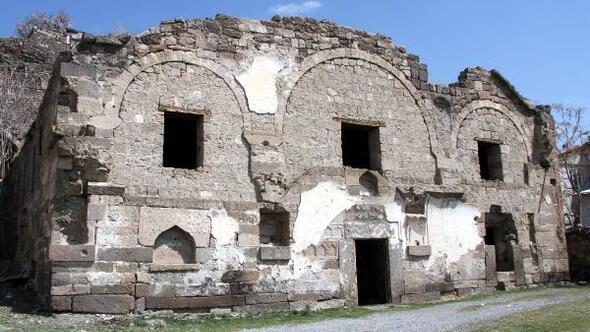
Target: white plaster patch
(319, 206)
(103, 278)
(452, 229)
(394, 211)
(223, 227)
(259, 83)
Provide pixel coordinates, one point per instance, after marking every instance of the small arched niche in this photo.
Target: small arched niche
(174, 246)
(369, 184)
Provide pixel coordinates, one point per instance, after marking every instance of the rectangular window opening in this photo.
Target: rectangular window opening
(490, 161)
(361, 146)
(183, 140)
(274, 228)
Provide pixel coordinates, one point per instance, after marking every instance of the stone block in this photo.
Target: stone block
(491, 274)
(301, 305)
(77, 70)
(240, 276)
(174, 267)
(139, 305)
(154, 221)
(96, 211)
(148, 290)
(71, 253)
(61, 303)
(136, 254)
(420, 297)
(266, 298)
(215, 301)
(518, 258)
(103, 304)
(70, 290)
(166, 302)
(122, 288)
(248, 240)
(329, 304)
(104, 188)
(266, 307)
(220, 311)
(313, 296)
(419, 251)
(275, 253)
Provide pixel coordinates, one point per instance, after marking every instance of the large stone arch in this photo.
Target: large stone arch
(310, 62)
(120, 84)
(389, 98)
(525, 134)
(182, 83)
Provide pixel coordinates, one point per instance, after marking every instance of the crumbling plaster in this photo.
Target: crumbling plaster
(272, 97)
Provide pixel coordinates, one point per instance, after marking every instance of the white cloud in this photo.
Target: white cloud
(295, 8)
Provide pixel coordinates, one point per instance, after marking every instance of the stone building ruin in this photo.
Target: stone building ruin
(272, 165)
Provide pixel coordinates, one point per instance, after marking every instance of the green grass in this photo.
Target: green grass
(563, 317)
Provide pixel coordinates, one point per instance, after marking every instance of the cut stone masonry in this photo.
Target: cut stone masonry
(310, 145)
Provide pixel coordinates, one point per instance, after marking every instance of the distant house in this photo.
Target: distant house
(575, 178)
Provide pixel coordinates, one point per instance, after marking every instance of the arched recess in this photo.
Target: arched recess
(394, 102)
(425, 105)
(525, 134)
(179, 82)
(122, 82)
(370, 184)
(485, 131)
(174, 246)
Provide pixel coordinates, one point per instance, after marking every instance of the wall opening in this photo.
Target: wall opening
(501, 233)
(274, 227)
(490, 161)
(360, 146)
(174, 246)
(372, 271)
(183, 140)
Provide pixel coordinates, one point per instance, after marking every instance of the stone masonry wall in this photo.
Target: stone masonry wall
(27, 189)
(269, 222)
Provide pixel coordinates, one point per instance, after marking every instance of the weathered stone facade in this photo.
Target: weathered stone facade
(272, 216)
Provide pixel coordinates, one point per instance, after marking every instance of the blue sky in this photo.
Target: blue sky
(541, 46)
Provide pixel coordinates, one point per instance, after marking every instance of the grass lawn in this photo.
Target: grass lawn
(574, 316)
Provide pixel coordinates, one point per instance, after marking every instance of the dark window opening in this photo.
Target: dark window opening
(553, 182)
(525, 174)
(361, 146)
(490, 161)
(274, 228)
(183, 140)
(372, 271)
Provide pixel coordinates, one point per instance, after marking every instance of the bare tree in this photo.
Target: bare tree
(15, 112)
(572, 136)
(58, 21)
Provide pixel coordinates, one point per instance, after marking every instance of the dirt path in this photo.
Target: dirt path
(444, 317)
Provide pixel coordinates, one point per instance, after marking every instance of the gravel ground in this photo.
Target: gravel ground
(454, 316)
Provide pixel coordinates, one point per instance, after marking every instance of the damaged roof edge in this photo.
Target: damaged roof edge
(525, 101)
